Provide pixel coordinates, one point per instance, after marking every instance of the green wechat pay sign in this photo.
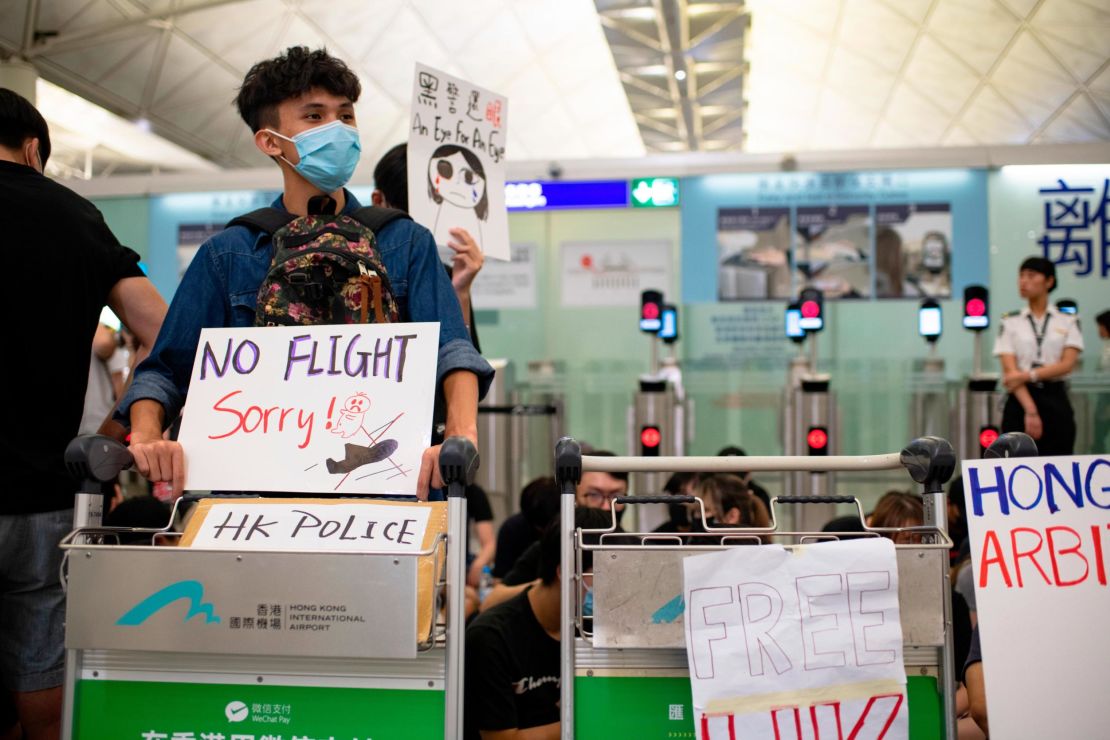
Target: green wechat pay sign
(146, 710)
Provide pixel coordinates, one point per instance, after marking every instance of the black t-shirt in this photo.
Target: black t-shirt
(526, 568)
(512, 670)
(61, 260)
(477, 504)
(514, 537)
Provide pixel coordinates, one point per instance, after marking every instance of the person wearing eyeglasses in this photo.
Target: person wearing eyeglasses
(596, 490)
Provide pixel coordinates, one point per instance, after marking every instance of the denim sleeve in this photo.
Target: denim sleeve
(432, 298)
(201, 301)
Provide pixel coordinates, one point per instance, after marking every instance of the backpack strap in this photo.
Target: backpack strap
(267, 220)
(375, 217)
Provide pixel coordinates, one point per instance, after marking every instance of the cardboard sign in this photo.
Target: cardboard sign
(796, 643)
(321, 409)
(203, 532)
(456, 160)
(1039, 529)
(357, 526)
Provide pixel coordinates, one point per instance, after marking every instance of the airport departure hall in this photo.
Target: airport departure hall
(553, 369)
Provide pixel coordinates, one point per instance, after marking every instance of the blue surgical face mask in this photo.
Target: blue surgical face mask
(588, 603)
(328, 154)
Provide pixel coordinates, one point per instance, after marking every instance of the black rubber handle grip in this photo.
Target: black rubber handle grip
(815, 499)
(655, 500)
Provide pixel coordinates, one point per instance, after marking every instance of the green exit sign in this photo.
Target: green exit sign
(654, 192)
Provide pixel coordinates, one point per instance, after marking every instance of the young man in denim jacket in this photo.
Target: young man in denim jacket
(300, 107)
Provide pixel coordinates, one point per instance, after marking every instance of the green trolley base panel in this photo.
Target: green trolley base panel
(147, 710)
(662, 708)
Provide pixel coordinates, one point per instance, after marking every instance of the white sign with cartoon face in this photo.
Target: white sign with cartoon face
(313, 409)
(456, 161)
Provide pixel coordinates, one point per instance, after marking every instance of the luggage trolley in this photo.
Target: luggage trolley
(397, 680)
(625, 669)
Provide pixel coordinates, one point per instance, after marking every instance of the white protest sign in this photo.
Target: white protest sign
(320, 409)
(1039, 528)
(456, 160)
(796, 644)
(307, 526)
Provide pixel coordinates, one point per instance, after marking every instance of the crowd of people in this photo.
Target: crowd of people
(300, 108)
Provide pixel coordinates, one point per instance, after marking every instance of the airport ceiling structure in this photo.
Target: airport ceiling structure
(147, 85)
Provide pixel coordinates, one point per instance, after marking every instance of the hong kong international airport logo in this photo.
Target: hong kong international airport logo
(190, 591)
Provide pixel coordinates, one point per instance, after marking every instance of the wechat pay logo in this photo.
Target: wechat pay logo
(236, 711)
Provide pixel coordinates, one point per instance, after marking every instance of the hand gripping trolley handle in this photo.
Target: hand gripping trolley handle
(634, 658)
(393, 680)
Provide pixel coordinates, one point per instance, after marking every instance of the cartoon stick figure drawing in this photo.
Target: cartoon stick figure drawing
(351, 421)
(352, 416)
(457, 184)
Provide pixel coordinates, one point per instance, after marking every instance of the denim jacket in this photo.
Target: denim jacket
(221, 285)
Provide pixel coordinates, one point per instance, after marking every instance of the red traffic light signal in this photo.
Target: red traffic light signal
(811, 310)
(987, 436)
(817, 439)
(650, 439)
(976, 308)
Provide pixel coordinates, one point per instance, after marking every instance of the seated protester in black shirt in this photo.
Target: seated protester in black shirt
(480, 514)
(512, 652)
(758, 490)
(596, 490)
(679, 484)
(728, 502)
(539, 505)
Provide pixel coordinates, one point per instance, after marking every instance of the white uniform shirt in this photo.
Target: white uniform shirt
(1017, 335)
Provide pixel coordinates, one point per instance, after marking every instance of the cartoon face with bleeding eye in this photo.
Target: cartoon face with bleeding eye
(456, 175)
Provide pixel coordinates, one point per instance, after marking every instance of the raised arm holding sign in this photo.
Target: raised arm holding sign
(300, 109)
(456, 155)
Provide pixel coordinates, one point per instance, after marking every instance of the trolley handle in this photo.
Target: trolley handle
(655, 500)
(815, 499)
(458, 463)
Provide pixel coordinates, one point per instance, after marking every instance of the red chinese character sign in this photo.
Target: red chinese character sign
(456, 161)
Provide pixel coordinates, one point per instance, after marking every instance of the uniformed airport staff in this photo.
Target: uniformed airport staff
(1038, 347)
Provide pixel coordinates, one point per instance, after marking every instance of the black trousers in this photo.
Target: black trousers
(1057, 417)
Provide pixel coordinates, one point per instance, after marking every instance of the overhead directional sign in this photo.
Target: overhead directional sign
(654, 192)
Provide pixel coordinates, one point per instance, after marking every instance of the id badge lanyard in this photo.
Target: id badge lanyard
(1039, 335)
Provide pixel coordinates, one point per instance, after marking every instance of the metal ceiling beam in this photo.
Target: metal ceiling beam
(64, 41)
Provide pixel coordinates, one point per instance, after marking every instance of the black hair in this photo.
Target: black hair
(391, 177)
(539, 502)
(19, 121)
(1103, 320)
(623, 475)
(550, 542)
(273, 81)
(447, 150)
(677, 482)
(142, 511)
(1041, 265)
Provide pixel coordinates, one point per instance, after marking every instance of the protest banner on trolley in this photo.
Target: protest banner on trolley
(311, 409)
(797, 643)
(456, 161)
(1038, 529)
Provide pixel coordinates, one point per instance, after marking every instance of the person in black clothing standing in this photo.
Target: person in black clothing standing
(63, 265)
(1038, 347)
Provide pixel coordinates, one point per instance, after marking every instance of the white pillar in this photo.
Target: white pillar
(20, 76)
